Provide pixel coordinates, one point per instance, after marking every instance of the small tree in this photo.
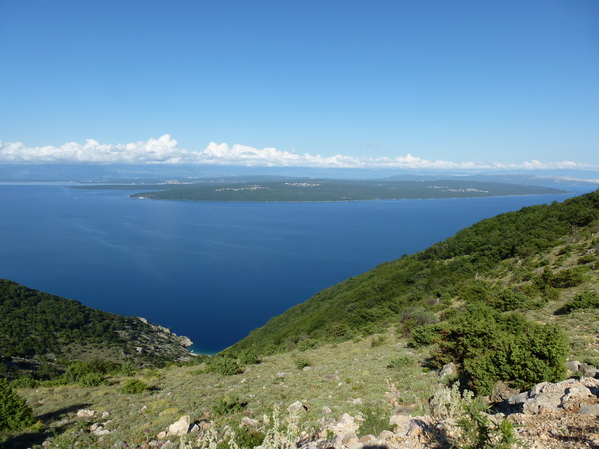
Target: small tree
(15, 414)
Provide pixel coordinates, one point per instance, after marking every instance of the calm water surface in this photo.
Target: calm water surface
(212, 271)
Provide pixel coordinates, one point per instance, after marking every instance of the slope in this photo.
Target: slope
(38, 327)
(478, 263)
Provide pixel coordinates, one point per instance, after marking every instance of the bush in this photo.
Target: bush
(301, 362)
(92, 380)
(134, 386)
(401, 362)
(15, 414)
(489, 347)
(377, 341)
(426, 335)
(223, 365)
(228, 405)
(376, 419)
(248, 357)
(586, 300)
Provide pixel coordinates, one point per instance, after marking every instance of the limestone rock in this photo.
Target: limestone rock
(296, 408)
(85, 413)
(181, 427)
(448, 370)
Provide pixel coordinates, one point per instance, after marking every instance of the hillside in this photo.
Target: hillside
(384, 359)
(516, 260)
(40, 331)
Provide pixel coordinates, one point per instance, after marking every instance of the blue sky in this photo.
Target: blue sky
(339, 83)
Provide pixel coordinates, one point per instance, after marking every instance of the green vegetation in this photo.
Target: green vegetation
(490, 346)
(312, 189)
(134, 386)
(15, 414)
(43, 333)
(489, 275)
(509, 307)
(585, 300)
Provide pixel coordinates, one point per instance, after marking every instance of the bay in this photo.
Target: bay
(213, 271)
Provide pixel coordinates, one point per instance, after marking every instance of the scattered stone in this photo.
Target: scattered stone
(161, 435)
(589, 409)
(326, 410)
(448, 370)
(249, 422)
(85, 413)
(386, 435)
(281, 374)
(357, 401)
(297, 408)
(105, 414)
(101, 432)
(181, 427)
(369, 440)
(354, 444)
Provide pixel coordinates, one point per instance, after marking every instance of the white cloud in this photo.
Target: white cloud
(165, 150)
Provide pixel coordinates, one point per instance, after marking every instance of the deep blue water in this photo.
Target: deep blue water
(212, 271)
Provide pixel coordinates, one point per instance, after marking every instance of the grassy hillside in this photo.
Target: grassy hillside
(38, 330)
(515, 261)
(510, 298)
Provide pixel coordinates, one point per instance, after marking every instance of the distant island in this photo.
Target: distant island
(314, 189)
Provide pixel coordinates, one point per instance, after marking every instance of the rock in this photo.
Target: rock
(357, 401)
(589, 409)
(369, 440)
(448, 370)
(518, 399)
(501, 392)
(573, 366)
(281, 374)
(249, 422)
(296, 408)
(101, 432)
(161, 435)
(85, 413)
(354, 444)
(181, 427)
(105, 415)
(385, 435)
(326, 410)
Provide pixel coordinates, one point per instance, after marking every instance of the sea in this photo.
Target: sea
(208, 270)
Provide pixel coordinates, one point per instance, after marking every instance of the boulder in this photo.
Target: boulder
(296, 408)
(180, 427)
(85, 413)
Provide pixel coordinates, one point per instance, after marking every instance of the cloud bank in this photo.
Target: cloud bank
(166, 150)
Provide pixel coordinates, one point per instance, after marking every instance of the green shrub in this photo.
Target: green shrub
(481, 432)
(227, 405)
(426, 335)
(249, 438)
(24, 382)
(223, 365)
(15, 414)
(489, 346)
(301, 362)
(92, 380)
(586, 300)
(377, 341)
(248, 357)
(401, 362)
(134, 386)
(376, 419)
